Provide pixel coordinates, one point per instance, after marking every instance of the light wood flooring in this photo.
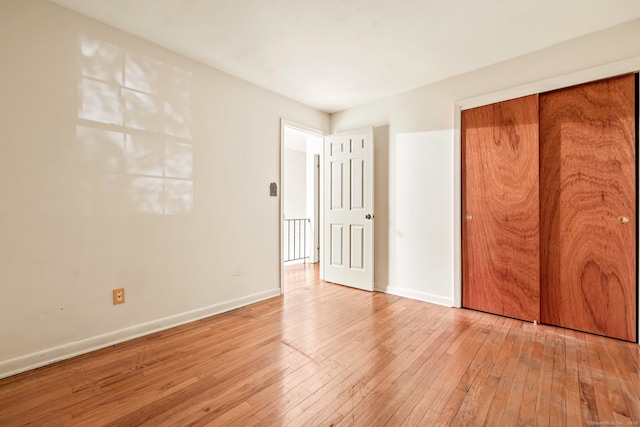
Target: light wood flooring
(326, 355)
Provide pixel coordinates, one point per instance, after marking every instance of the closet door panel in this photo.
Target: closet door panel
(501, 265)
(588, 193)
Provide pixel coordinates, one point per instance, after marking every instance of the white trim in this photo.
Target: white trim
(417, 295)
(630, 65)
(283, 124)
(303, 128)
(66, 351)
(457, 207)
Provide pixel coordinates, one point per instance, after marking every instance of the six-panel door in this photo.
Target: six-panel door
(348, 209)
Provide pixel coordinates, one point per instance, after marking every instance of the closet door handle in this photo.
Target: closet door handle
(468, 217)
(623, 219)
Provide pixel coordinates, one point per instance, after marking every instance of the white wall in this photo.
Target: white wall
(423, 217)
(125, 165)
(295, 184)
(419, 213)
(314, 147)
(295, 195)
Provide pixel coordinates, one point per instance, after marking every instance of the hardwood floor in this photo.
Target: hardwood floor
(326, 355)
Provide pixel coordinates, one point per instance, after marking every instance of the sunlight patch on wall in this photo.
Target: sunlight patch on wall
(134, 131)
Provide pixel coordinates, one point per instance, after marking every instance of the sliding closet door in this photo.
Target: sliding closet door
(588, 215)
(500, 240)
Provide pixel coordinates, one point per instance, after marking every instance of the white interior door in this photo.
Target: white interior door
(348, 209)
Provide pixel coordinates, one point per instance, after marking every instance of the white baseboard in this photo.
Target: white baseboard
(417, 295)
(66, 351)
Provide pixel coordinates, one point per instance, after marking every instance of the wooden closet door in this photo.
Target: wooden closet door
(588, 252)
(500, 240)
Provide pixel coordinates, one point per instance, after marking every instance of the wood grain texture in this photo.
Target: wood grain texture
(587, 169)
(500, 244)
(326, 354)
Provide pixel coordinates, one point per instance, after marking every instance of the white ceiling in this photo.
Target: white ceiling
(335, 54)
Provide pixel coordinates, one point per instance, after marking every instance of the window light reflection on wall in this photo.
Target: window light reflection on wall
(134, 128)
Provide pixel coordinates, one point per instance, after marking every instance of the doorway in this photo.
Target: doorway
(300, 202)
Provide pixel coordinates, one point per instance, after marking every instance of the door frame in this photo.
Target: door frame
(631, 65)
(284, 123)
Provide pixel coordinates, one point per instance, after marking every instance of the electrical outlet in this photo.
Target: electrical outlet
(118, 296)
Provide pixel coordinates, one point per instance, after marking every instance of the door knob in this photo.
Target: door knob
(623, 219)
(368, 216)
(468, 217)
